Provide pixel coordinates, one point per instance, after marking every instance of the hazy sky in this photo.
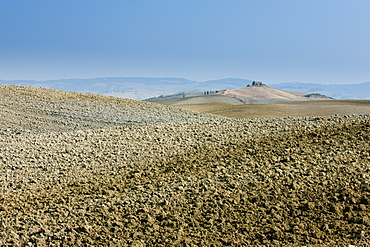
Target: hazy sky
(318, 41)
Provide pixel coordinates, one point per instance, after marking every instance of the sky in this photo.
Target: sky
(274, 41)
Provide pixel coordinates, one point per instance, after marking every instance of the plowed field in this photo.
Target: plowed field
(176, 177)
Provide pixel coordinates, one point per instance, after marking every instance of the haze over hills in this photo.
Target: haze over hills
(137, 88)
(140, 88)
(337, 91)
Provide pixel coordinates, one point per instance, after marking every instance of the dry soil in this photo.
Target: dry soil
(86, 170)
(284, 109)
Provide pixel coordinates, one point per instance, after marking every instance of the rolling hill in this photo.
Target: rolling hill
(25, 110)
(255, 94)
(79, 169)
(139, 88)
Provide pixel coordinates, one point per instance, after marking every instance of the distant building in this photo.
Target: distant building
(256, 83)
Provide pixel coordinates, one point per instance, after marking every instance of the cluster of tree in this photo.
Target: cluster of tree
(209, 92)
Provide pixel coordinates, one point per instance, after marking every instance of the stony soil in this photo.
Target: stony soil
(99, 178)
(35, 110)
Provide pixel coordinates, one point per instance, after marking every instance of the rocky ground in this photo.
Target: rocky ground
(85, 170)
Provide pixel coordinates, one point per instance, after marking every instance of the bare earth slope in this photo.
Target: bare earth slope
(35, 110)
(188, 180)
(284, 109)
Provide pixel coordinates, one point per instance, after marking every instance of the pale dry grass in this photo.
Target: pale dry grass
(265, 93)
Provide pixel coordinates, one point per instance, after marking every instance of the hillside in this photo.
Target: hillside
(137, 88)
(260, 94)
(140, 88)
(35, 110)
(284, 109)
(88, 170)
(190, 100)
(264, 93)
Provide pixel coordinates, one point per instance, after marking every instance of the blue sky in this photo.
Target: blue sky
(318, 41)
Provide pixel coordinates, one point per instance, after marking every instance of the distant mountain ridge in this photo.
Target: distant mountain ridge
(137, 88)
(140, 88)
(337, 91)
